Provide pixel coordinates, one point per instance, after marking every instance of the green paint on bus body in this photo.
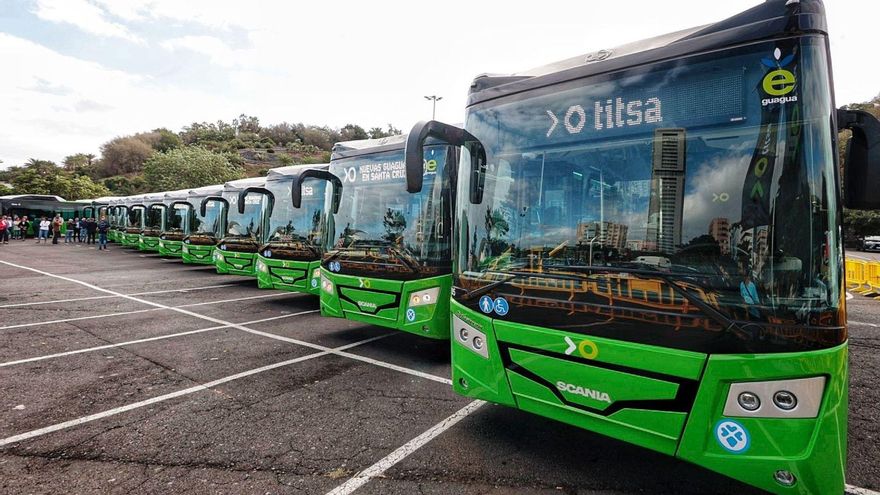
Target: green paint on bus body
(198, 254)
(233, 263)
(289, 275)
(148, 243)
(388, 303)
(130, 240)
(592, 374)
(173, 249)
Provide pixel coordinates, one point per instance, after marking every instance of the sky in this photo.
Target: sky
(77, 73)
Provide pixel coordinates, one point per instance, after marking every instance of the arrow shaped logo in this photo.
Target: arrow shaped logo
(571, 346)
(555, 120)
(360, 282)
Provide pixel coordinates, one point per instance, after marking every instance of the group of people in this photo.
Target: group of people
(83, 230)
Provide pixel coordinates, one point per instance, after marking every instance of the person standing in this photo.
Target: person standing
(15, 227)
(57, 222)
(4, 230)
(91, 228)
(24, 226)
(71, 229)
(83, 230)
(103, 228)
(44, 230)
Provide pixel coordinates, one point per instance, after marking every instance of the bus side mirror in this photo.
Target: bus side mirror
(203, 207)
(862, 160)
(297, 186)
(450, 134)
(256, 190)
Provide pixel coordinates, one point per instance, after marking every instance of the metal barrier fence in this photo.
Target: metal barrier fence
(863, 277)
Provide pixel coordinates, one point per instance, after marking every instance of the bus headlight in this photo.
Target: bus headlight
(469, 337)
(326, 285)
(316, 273)
(218, 257)
(424, 297)
(796, 398)
(262, 266)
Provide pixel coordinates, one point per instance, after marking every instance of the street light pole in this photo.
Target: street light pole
(434, 99)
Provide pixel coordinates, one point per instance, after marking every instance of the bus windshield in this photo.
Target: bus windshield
(247, 225)
(178, 216)
(289, 225)
(135, 217)
(687, 175)
(380, 220)
(154, 217)
(209, 223)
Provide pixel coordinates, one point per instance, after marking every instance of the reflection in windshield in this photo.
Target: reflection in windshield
(297, 225)
(379, 220)
(209, 223)
(248, 224)
(135, 217)
(154, 219)
(704, 192)
(177, 218)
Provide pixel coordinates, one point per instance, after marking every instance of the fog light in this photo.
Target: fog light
(416, 299)
(463, 334)
(478, 343)
(316, 273)
(748, 401)
(784, 478)
(785, 400)
(463, 382)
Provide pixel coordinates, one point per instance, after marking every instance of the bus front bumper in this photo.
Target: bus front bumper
(234, 263)
(171, 248)
(198, 254)
(680, 403)
(389, 303)
(289, 275)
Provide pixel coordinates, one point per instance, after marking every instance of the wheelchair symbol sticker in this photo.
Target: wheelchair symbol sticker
(732, 436)
(410, 315)
(487, 305)
(501, 306)
(335, 266)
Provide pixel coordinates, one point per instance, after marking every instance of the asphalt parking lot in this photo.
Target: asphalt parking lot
(126, 372)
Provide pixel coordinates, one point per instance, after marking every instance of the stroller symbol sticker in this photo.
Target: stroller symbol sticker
(732, 436)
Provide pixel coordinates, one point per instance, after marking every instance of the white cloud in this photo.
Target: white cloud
(85, 16)
(217, 51)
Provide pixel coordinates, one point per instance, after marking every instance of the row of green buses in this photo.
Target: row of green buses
(642, 241)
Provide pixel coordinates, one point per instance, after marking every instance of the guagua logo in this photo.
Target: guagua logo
(586, 392)
(614, 114)
(779, 82)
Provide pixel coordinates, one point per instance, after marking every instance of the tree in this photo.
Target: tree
(377, 132)
(188, 167)
(352, 132)
(125, 155)
(45, 177)
(167, 140)
(246, 123)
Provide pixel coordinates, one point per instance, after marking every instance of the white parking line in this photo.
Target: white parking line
(864, 323)
(157, 307)
(59, 301)
(150, 339)
(363, 477)
(198, 388)
(856, 490)
(242, 327)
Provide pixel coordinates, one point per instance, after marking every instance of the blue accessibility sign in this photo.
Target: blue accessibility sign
(410, 315)
(732, 436)
(335, 266)
(501, 306)
(487, 305)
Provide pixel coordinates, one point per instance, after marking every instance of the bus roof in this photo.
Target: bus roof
(766, 20)
(240, 184)
(292, 171)
(207, 190)
(346, 149)
(42, 197)
(178, 194)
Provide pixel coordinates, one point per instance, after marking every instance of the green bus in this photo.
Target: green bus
(116, 216)
(627, 256)
(246, 213)
(132, 221)
(290, 257)
(154, 221)
(178, 211)
(205, 226)
(388, 250)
